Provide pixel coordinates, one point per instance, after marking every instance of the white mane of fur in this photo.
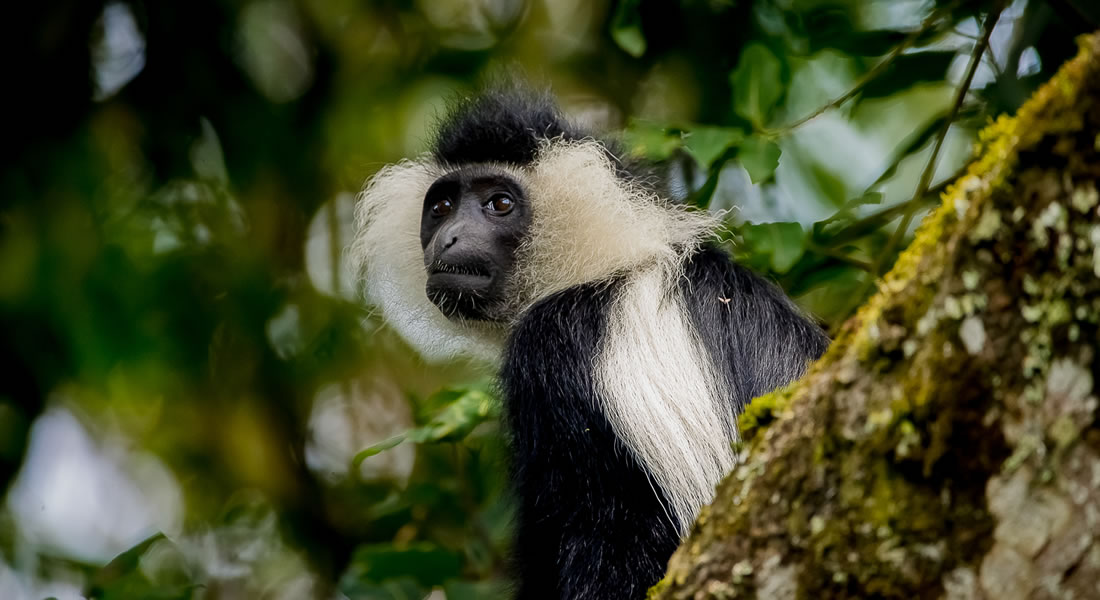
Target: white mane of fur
(387, 256)
(654, 379)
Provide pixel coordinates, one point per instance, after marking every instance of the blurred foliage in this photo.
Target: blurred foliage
(195, 404)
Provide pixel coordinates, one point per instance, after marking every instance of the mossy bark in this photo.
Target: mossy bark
(948, 445)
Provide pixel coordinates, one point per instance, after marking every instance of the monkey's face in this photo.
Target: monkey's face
(471, 226)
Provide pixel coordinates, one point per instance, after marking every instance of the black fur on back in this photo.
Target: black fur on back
(753, 333)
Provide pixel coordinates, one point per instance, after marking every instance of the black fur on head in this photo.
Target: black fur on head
(507, 123)
(500, 124)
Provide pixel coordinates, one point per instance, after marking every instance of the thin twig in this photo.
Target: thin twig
(877, 219)
(838, 255)
(867, 78)
(930, 166)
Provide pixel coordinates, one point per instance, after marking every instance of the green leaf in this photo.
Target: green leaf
(380, 447)
(469, 409)
(908, 70)
(828, 289)
(1086, 8)
(404, 588)
(760, 157)
(701, 197)
(758, 84)
(832, 26)
(626, 28)
(475, 590)
(830, 184)
(782, 244)
(651, 141)
(425, 563)
(127, 575)
(817, 272)
(911, 144)
(125, 562)
(708, 144)
(463, 410)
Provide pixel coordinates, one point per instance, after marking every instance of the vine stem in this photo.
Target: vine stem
(930, 167)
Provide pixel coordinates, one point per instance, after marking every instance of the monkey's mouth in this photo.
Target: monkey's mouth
(452, 278)
(470, 270)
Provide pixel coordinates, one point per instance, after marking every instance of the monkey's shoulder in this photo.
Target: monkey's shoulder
(716, 286)
(711, 276)
(720, 294)
(749, 327)
(758, 337)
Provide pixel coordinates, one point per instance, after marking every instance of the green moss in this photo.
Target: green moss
(657, 589)
(762, 411)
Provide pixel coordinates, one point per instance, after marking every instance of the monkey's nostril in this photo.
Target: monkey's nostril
(453, 241)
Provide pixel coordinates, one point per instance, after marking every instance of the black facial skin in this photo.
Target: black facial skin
(472, 223)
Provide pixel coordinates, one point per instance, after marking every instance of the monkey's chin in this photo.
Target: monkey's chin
(468, 302)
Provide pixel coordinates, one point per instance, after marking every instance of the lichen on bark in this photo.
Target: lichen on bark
(947, 445)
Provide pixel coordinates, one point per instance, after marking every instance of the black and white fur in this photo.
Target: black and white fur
(632, 345)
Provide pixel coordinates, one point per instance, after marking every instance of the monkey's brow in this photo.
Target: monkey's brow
(490, 180)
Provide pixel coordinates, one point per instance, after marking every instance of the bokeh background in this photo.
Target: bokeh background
(194, 402)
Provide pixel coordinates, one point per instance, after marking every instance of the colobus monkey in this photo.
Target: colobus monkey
(628, 342)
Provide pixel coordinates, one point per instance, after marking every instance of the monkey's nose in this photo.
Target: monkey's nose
(453, 241)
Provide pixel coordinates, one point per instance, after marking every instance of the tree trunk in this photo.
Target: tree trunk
(948, 443)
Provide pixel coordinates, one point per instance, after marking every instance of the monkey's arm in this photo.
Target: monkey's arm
(591, 523)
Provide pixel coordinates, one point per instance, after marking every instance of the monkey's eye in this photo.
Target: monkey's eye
(442, 208)
(500, 204)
